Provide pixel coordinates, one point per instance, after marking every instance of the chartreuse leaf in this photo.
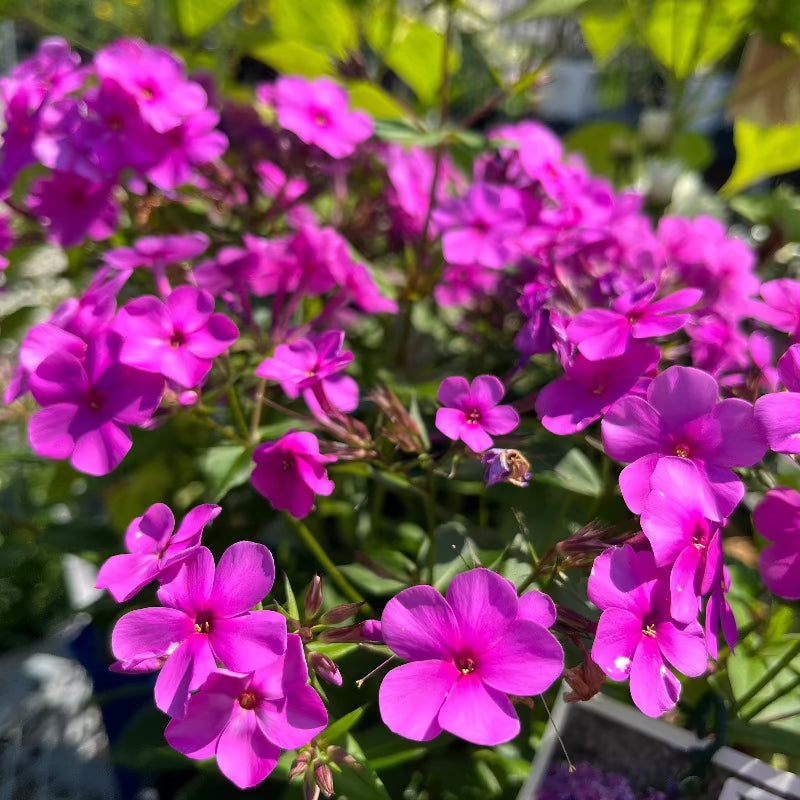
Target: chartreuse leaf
(374, 100)
(607, 27)
(294, 58)
(197, 16)
(327, 25)
(762, 153)
(575, 473)
(337, 729)
(687, 35)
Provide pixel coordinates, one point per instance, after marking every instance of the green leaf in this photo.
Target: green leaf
(598, 141)
(575, 473)
(330, 26)
(364, 578)
(374, 100)
(359, 784)
(342, 725)
(762, 153)
(763, 737)
(294, 58)
(686, 35)
(226, 466)
(607, 27)
(693, 149)
(544, 8)
(291, 600)
(197, 16)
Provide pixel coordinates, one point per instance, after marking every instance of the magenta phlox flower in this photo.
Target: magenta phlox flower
(307, 365)
(317, 113)
(153, 252)
(777, 518)
(472, 411)
(89, 405)
(538, 150)
(154, 549)
(72, 208)
(719, 616)
(777, 414)
(467, 653)
(762, 372)
(717, 344)
(682, 538)
(291, 471)
(781, 306)
(683, 416)
(194, 142)
(206, 618)
(22, 119)
(246, 720)
(53, 70)
(465, 285)
(155, 78)
(637, 637)
(589, 388)
(276, 184)
(177, 338)
(601, 333)
(789, 368)
(482, 227)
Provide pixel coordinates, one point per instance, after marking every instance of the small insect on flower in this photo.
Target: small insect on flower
(506, 466)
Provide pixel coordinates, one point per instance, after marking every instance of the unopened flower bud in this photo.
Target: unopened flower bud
(341, 757)
(299, 766)
(585, 680)
(323, 775)
(310, 788)
(326, 669)
(372, 631)
(506, 466)
(340, 613)
(314, 597)
(350, 633)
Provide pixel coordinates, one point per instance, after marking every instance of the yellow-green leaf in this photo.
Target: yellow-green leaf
(606, 29)
(197, 16)
(374, 100)
(294, 58)
(762, 153)
(328, 25)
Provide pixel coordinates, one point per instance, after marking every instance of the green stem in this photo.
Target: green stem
(325, 562)
(774, 697)
(768, 676)
(238, 416)
(430, 517)
(255, 420)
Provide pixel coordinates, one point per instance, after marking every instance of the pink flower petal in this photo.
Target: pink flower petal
(49, 431)
(149, 630)
(623, 578)
(537, 607)
(475, 437)
(419, 624)
(478, 713)
(500, 420)
(526, 661)
(293, 721)
(777, 516)
(453, 392)
(485, 606)
(450, 421)
(243, 578)
(99, 451)
(59, 378)
(244, 755)
(124, 575)
(631, 430)
(190, 589)
(778, 419)
(681, 394)
(683, 585)
(780, 568)
(150, 532)
(634, 482)
(741, 443)
(618, 635)
(250, 641)
(486, 391)
(683, 646)
(183, 671)
(654, 689)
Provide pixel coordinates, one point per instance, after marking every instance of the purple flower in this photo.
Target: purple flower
(472, 412)
(153, 549)
(777, 518)
(246, 720)
(89, 405)
(467, 654)
(674, 522)
(206, 619)
(157, 252)
(505, 466)
(482, 227)
(317, 113)
(155, 79)
(72, 208)
(720, 616)
(782, 305)
(636, 635)
(683, 416)
(291, 471)
(589, 388)
(601, 333)
(777, 414)
(178, 338)
(310, 366)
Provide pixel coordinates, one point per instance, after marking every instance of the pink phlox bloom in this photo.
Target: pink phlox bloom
(193, 143)
(781, 306)
(637, 637)
(682, 538)
(482, 227)
(177, 338)
(307, 365)
(537, 334)
(717, 344)
(789, 368)
(317, 113)
(537, 150)
(72, 208)
(89, 405)
(761, 373)
(468, 653)
(472, 412)
(155, 78)
(465, 285)
(719, 615)
(52, 71)
(206, 619)
(291, 471)
(22, 120)
(777, 518)
(158, 252)
(246, 720)
(601, 333)
(589, 388)
(154, 548)
(683, 416)
(275, 184)
(778, 416)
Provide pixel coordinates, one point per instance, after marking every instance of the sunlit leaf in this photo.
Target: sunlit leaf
(197, 16)
(762, 153)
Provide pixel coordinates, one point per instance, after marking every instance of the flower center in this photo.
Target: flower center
(598, 390)
(147, 91)
(321, 119)
(178, 339)
(247, 700)
(474, 417)
(95, 400)
(650, 631)
(202, 623)
(682, 450)
(286, 464)
(465, 665)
